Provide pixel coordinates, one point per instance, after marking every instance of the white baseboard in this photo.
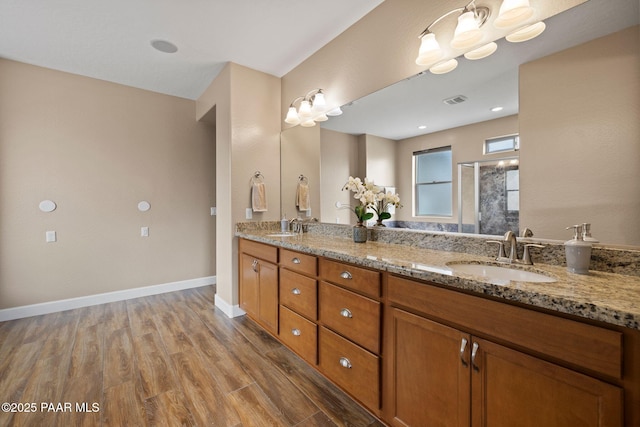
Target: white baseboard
(71, 303)
(228, 309)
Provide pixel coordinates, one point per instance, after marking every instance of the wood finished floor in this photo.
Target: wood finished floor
(165, 360)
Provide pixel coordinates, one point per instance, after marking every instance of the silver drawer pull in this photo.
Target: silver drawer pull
(474, 352)
(254, 265)
(296, 332)
(345, 312)
(296, 291)
(345, 363)
(296, 260)
(346, 275)
(463, 348)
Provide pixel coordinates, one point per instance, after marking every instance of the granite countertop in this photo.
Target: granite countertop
(607, 297)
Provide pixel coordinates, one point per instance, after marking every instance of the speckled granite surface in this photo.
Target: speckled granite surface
(603, 296)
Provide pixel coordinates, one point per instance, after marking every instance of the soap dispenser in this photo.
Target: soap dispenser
(586, 233)
(578, 252)
(284, 224)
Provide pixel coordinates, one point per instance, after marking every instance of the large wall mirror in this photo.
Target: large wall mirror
(550, 200)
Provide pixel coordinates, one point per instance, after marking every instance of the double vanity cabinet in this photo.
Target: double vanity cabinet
(418, 354)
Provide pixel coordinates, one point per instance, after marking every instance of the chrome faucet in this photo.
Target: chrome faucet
(510, 237)
(502, 257)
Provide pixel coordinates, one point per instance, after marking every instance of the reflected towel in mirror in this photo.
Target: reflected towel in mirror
(303, 200)
(259, 197)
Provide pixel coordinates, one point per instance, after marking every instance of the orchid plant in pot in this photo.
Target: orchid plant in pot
(366, 196)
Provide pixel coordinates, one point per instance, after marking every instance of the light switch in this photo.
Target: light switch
(213, 211)
(144, 231)
(51, 236)
(249, 213)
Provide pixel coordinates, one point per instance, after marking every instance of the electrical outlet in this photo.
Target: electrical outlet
(213, 211)
(249, 213)
(144, 231)
(51, 236)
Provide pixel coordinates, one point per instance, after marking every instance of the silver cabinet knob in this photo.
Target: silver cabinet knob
(296, 291)
(296, 332)
(296, 260)
(346, 275)
(345, 363)
(345, 312)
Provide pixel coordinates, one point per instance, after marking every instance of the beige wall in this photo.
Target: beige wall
(244, 104)
(466, 144)
(339, 160)
(380, 155)
(97, 149)
(300, 155)
(580, 138)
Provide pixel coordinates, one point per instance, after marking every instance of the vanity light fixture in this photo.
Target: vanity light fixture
(468, 35)
(312, 109)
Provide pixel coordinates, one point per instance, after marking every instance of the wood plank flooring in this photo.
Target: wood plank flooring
(165, 360)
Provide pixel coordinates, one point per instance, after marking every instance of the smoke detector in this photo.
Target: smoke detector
(458, 99)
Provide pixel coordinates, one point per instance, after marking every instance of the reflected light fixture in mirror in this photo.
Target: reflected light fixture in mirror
(468, 36)
(313, 108)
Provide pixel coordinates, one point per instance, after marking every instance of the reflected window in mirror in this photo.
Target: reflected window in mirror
(433, 182)
(513, 190)
(502, 144)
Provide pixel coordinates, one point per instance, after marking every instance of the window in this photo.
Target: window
(501, 144)
(513, 190)
(433, 189)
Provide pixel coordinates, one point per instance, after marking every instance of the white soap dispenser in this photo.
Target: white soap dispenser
(578, 252)
(284, 224)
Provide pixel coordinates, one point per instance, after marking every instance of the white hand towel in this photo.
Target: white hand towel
(303, 200)
(259, 197)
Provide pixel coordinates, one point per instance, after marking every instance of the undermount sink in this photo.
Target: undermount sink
(285, 234)
(499, 274)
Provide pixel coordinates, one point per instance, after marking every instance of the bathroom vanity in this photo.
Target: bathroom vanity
(419, 344)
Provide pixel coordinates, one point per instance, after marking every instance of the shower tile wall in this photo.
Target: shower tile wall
(495, 218)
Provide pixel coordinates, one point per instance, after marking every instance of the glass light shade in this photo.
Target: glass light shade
(467, 32)
(444, 67)
(292, 117)
(308, 123)
(322, 117)
(430, 50)
(527, 33)
(334, 112)
(512, 13)
(318, 101)
(305, 109)
(482, 51)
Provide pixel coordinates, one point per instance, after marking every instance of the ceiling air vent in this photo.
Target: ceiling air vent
(458, 99)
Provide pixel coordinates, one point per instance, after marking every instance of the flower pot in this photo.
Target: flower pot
(379, 223)
(359, 233)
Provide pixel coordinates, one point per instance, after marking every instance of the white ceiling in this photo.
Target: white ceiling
(396, 111)
(110, 39)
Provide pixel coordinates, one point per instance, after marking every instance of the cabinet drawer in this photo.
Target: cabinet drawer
(299, 293)
(299, 334)
(354, 369)
(296, 261)
(587, 346)
(259, 250)
(356, 278)
(351, 315)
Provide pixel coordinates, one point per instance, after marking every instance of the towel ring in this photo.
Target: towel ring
(303, 179)
(257, 178)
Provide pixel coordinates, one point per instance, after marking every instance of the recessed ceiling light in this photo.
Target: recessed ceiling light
(496, 109)
(164, 46)
(422, 127)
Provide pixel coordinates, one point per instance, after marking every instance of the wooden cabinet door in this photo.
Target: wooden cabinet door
(268, 295)
(249, 285)
(510, 388)
(430, 375)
